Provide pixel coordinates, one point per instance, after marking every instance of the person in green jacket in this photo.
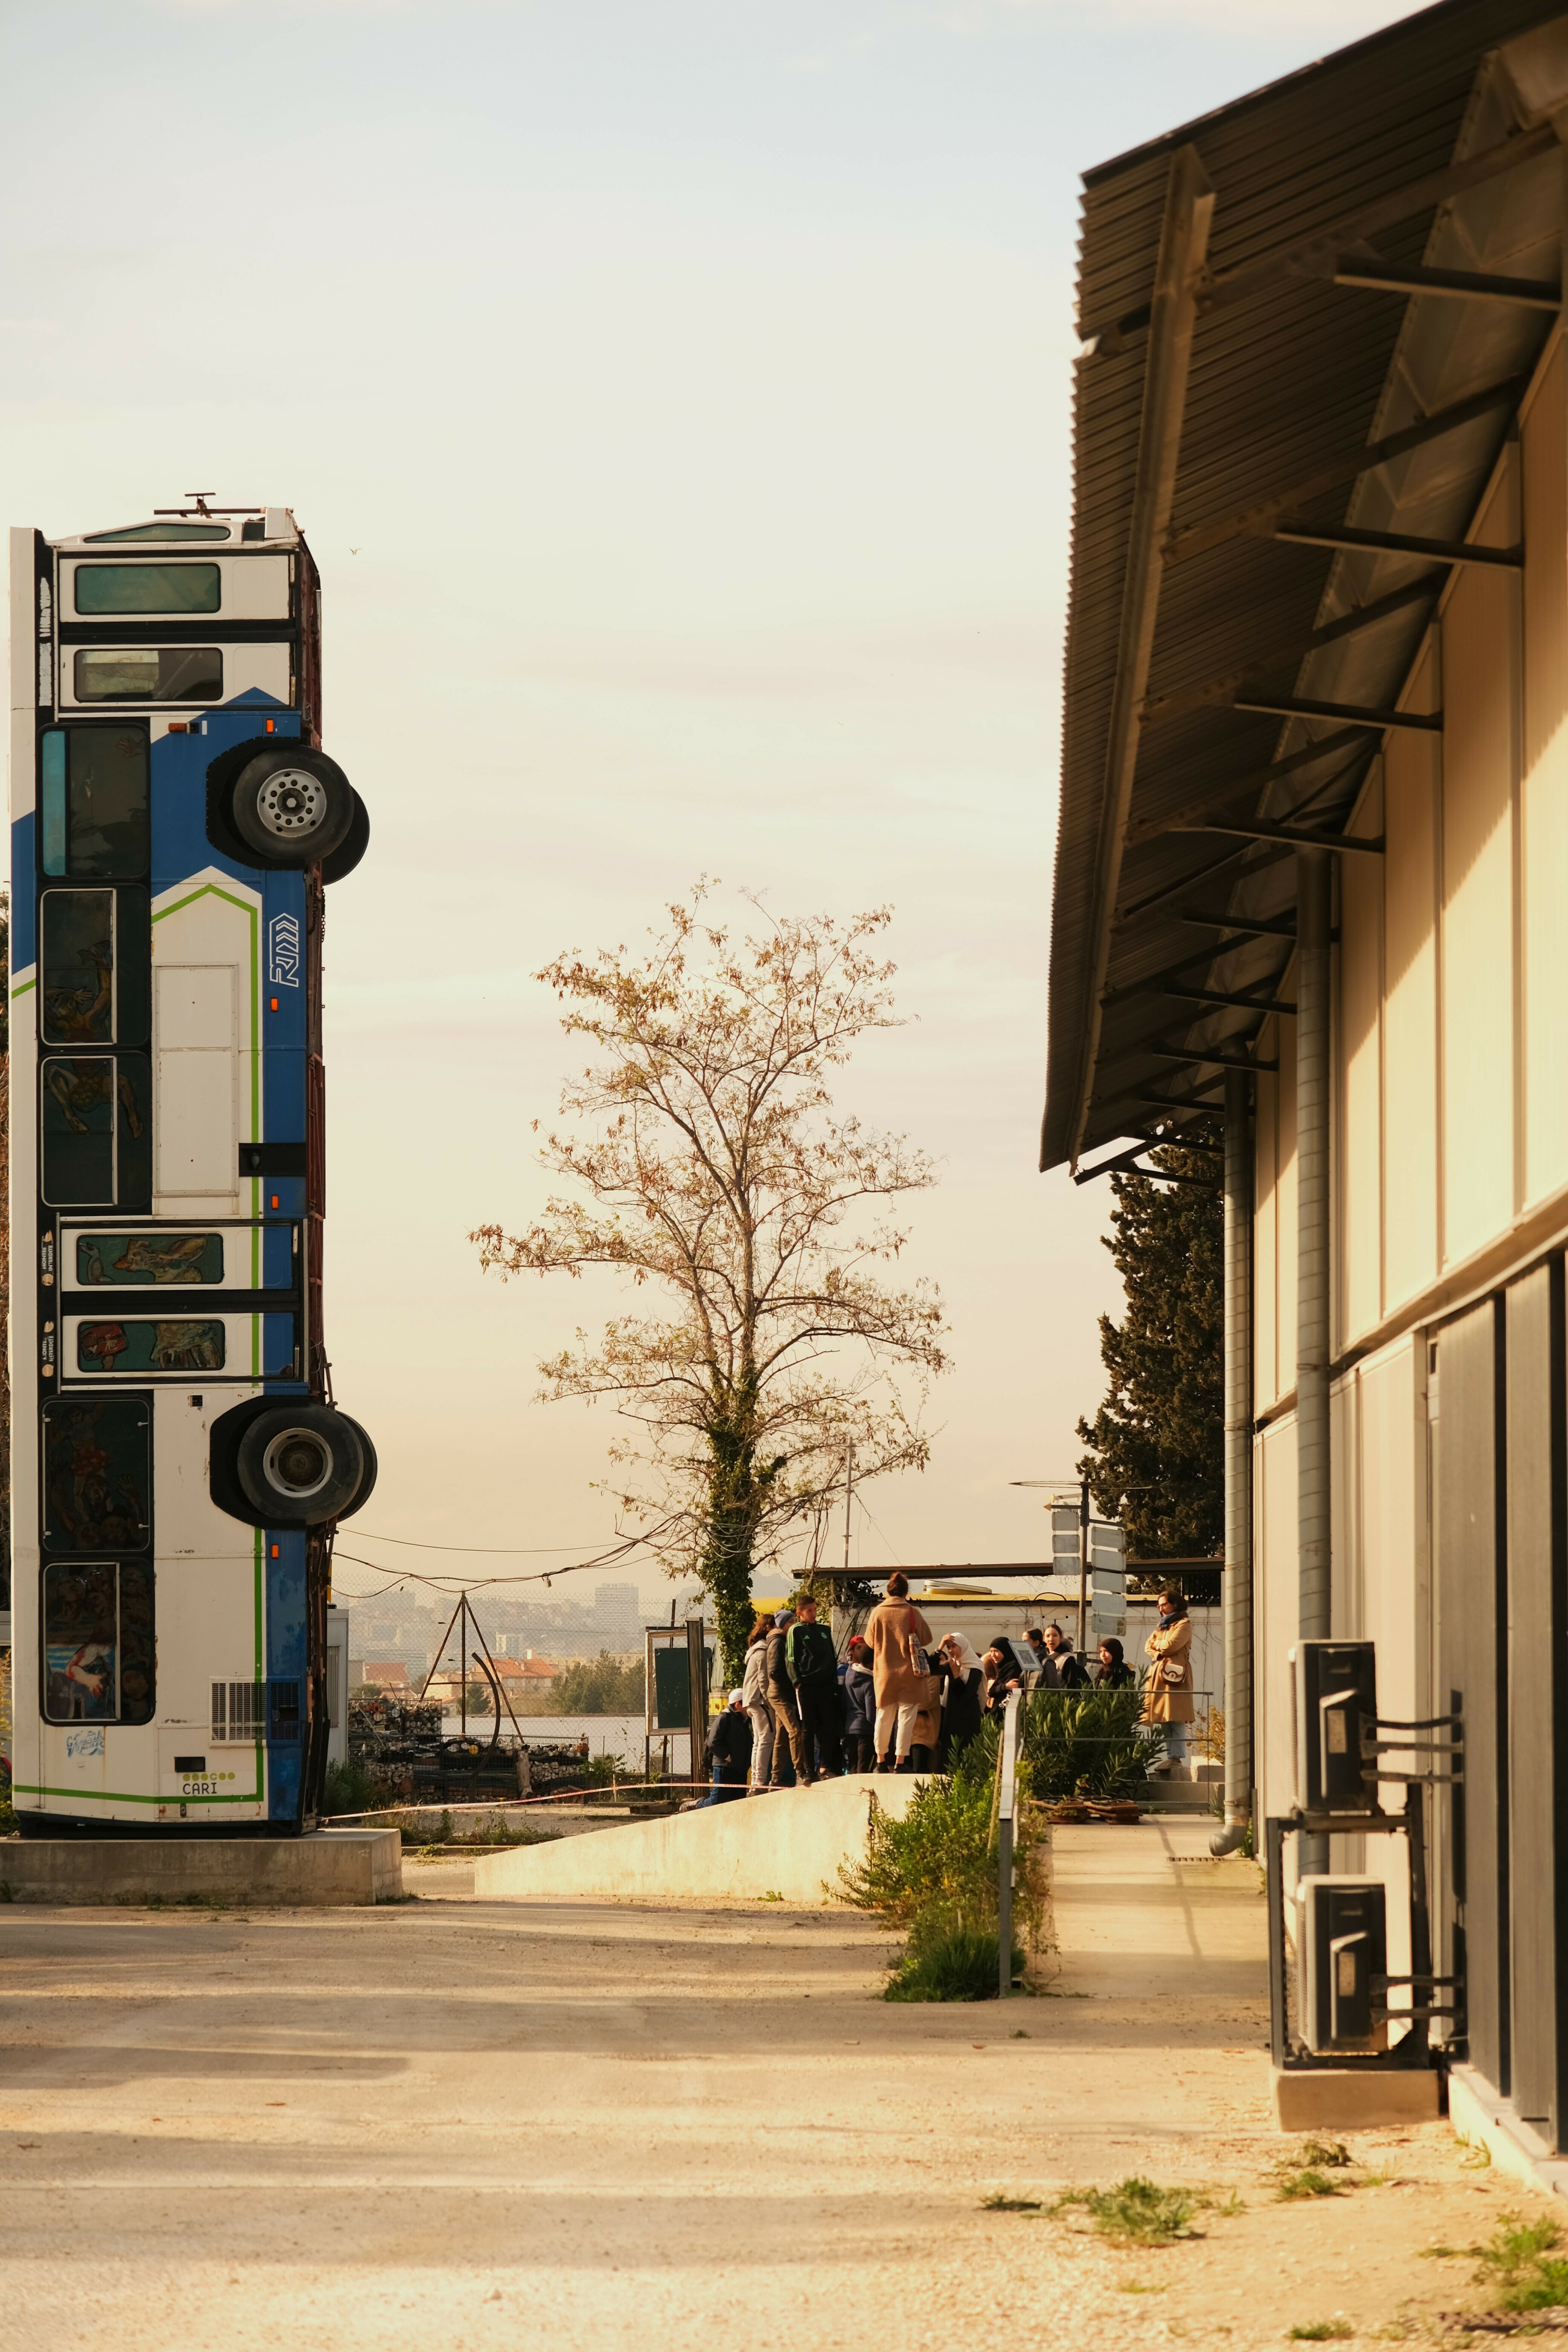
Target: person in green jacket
(814, 1671)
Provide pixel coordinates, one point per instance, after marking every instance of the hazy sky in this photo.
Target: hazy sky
(674, 393)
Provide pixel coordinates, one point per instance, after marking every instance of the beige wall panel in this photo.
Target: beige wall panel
(1412, 764)
(1277, 1613)
(1285, 1187)
(1359, 1257)
(1386, 1479)
(1477, 912)
(1266, 1248)
(1543, 790)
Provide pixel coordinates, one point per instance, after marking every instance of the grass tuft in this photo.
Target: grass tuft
(1138, 2212)
(947, 1960)
(997, 2203)
(1319, 2331)
(1514, 2261)
(1309, 2183)
(1327, 2155)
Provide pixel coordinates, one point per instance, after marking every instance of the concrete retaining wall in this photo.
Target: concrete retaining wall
(786, 1843)
(330, 1867)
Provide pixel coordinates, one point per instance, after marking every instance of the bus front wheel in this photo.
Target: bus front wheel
(292, 805)
(298, 1464)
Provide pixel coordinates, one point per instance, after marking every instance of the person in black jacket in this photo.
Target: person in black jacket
(1071, 1672)
(962, 1688)
(730, 1746)
(1115, 1674)
(814, 1671)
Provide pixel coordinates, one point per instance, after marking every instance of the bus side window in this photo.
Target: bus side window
(96, 1118)
(93, 803)
(99, 1642)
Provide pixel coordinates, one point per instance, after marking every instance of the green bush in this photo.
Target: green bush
(600, 1686)
(947, 1960)
(348, 1790)
(942, 1855)
(1088, 1743)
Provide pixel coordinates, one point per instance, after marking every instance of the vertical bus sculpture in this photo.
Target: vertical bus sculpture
(178, 1463)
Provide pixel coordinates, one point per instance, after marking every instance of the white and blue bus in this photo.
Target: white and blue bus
(178, 1462)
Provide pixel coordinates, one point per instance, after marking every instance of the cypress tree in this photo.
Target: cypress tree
(1156, 1446)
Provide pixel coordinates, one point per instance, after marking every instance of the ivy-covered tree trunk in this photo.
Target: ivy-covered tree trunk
(1156, 1456)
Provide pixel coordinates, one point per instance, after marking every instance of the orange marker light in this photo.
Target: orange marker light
(273, 1002)
(275, 1200)
(271, 724)
(275, 1550)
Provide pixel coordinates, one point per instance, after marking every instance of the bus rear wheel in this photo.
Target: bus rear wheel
(298, 1464)
(366, 1487)
(292, 806)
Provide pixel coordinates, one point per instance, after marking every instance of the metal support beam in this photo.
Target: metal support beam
(1344, 739)
(1253, 927)
(1462, 285)
(1243, 1003)
(1238, 1466)
(1217, 692)
(1257, 520)
(1208, 1057)
(1350, 714)
(1314, 889)
(1260, 829)
(1397, 543)
(1153, 983)
(1184, 249)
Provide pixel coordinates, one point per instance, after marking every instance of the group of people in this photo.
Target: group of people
(900, 1703)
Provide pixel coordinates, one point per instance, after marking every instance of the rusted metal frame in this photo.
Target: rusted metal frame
(1305, 258)
(1183, 245)
(1253, 521)
(1298, 836)
(1461, 285)
(1221, 692)
(1394, 542)
(1352, 714)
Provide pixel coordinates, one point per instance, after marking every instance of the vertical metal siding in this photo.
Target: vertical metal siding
(1543, 786)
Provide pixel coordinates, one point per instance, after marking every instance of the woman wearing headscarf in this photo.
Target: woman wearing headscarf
(1168, 1696)
(905, 1684)
(962, 1700)
(1114, 1673)
(858, 1683)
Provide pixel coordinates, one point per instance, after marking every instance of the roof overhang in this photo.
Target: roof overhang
(1308, 322)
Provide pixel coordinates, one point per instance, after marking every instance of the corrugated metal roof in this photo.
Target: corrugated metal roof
(1296, 379)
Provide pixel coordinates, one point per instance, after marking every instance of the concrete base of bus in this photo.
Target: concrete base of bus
(788, 1843)
(324, 1867)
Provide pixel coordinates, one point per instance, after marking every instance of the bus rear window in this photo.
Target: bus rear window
(93, 803)
(167, 531)
(98, 1646)
(97, 1474)
(147, 587)
(170, 1345)
(149, 674)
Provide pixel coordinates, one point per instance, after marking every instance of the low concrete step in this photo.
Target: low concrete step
(325, 1867)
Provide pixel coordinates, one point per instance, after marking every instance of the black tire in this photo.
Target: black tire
(366, 1487)
(352, 848)
(292, 806)
(299, 1465)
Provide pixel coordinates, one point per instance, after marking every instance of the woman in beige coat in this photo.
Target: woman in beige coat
(1168, 1697)
(906, 1695)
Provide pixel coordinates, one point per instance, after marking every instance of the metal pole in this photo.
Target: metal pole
(1314, 879)
(1006, 1792)
(1237, 1466)
(1082, 1568)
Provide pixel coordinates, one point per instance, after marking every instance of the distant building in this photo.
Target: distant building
(386, 1676)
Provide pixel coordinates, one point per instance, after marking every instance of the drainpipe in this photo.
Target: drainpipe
(1313, 890)
(1237, 1468)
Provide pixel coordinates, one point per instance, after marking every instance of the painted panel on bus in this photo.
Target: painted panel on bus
(131, 1345)
(97, 1131)
(134, 1260)
(99, 1643)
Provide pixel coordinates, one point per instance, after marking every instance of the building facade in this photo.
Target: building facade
(1312, 906)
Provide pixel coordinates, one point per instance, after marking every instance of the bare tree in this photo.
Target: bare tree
(707, 1160)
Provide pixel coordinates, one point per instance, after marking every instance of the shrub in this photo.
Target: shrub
(349, 1789)
(945, 1959)
(600, 1686)
(1088, 1743)
(941, 1856)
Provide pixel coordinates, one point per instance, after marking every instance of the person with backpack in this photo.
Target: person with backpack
(857, 1686)
(814, 1671)
(906, 1687)
(789, 1746)
(730, 1749)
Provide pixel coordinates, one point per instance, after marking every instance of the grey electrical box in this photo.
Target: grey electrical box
(1342, 1946)
(1335, 1690)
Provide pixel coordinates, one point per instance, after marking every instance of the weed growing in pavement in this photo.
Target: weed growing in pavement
(1019, 2033)
(1319, 2331)
(773, 1895)
(1138, 2212)
(997, 2203)
(1479, 2160)
(1515, 2261)
(1309, 2183)
(1139, 2286)
(1327, 2154)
